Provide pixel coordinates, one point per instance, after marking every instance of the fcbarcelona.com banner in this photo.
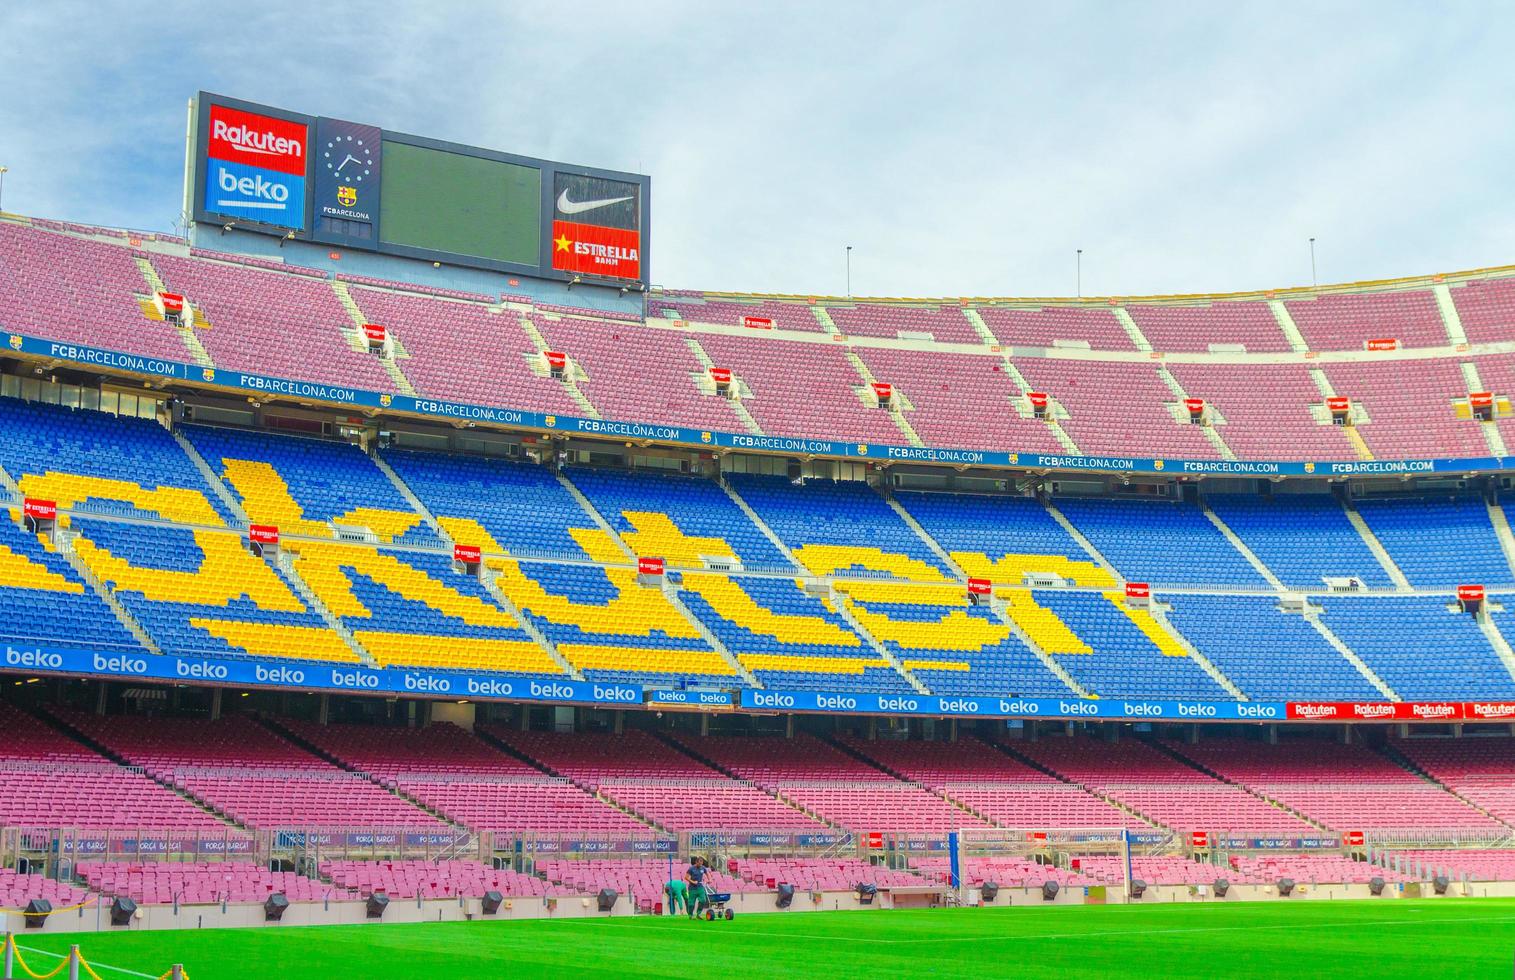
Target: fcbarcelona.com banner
(343, 397)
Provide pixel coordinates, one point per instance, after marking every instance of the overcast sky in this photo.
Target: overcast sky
(962, 149)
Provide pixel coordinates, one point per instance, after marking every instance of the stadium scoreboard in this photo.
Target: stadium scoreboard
(356, 186)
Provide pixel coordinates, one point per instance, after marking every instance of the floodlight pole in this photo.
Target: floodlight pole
(3, 171)
(1079, 273)
(849, 271)
(1314, 281)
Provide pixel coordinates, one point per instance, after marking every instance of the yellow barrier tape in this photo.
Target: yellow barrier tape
(16, 952)
(68, 908)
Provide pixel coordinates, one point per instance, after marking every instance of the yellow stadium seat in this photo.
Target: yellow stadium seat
(227, 572)
(586, 656)
(1012, 569)
(657, 535)
(277, 640)
(20, 572)
(267, 500)
(635, 611)
(828, 559)
(456, 652)
(728, 599)
(320, 564)
(1041, 624)
(177, 504)
(1149, 625)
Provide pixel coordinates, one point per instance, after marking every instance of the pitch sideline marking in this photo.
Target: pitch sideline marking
(98, 966)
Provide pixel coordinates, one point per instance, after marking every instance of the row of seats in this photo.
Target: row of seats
(636, 784)
(266, 317)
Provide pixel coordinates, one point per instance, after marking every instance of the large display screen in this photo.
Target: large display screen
(356, 186)
(465, 205)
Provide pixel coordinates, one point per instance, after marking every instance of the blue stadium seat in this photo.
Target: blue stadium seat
(43, 600)
(1438, 542)
(322, 481)
(75, 456)
(1419, 648)
(522, 506)
(839, 526)
(1269, 654)
(1124, 662)
(1164, 542)
(697, 507)
(1302, 538)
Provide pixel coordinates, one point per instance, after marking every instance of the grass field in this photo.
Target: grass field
(1453, 938)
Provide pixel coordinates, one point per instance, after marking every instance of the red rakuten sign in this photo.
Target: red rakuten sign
(172, 302)
(44, 510)
(1383, 343)
(596, 250)
(1481, 399)
(1038, 399)
(1199, 839)
(1138, 590)
(758, 322)
(257, 140)
(650, 566)
(1338, 403)
(1353, 838)
(1194, 405)
(883, 390)
(1435, 711)
(1489, 710)
(556, 359)
(979, 586)
(468, 554)
(721, 376)
(875, 840)
(263, 534)
(1340, 711)
(374, 332)
(1470, 593)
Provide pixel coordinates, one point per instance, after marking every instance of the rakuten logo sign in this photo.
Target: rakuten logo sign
(257, 140)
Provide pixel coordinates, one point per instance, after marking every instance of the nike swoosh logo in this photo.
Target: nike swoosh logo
(576, 207)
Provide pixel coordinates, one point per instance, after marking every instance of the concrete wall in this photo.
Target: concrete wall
(250, 915)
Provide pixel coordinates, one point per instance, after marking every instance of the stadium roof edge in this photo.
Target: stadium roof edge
(1097, 302)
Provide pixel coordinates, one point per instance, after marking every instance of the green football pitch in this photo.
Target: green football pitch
(1451, 938)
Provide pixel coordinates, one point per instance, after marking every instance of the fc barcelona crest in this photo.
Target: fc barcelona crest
(347, 196)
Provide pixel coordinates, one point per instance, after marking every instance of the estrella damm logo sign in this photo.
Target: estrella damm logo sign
(347, 196)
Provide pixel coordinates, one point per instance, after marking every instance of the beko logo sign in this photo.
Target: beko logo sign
(32, 658)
